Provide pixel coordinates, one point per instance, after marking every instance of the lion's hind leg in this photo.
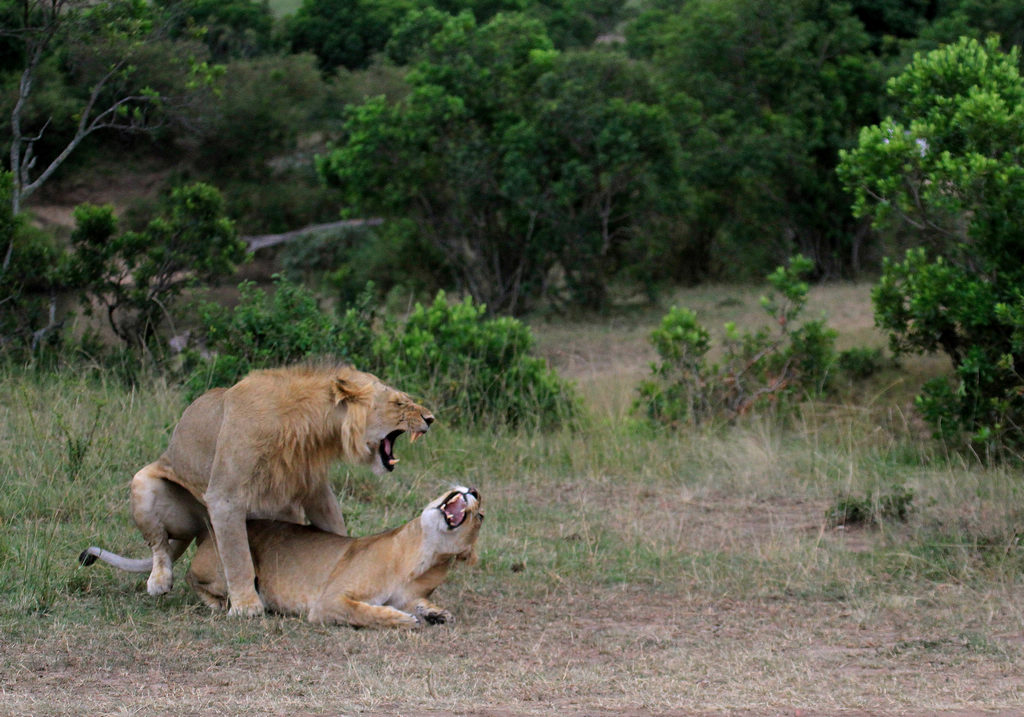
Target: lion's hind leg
(169, 519)
(340, 609)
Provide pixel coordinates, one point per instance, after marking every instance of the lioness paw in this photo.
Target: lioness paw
(434, 616)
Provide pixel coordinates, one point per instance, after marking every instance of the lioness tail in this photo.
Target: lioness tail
(90, 555)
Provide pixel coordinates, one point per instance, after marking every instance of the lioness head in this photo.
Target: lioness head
(389, 414)
(451, 523)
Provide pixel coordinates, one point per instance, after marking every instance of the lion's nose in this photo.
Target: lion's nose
(428, 419)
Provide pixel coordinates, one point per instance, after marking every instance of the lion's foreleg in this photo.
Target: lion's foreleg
(228, 521)
(324, 512)
(340, 609)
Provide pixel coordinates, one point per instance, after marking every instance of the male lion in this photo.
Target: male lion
(382, 580)
(261, 449)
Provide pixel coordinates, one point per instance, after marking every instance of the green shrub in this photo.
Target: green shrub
(944, 172)
(471, 369)
(860, 363)
(271, 328)
(475, 369)
(759, 369)
(31, 270)
(137, 276)
(893, 506)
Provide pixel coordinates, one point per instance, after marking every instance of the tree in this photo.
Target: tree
(435, 157)
(136, 276)
(513, 160)
(345, 33)
(944, 173)
(595, 166)
(104, 47)
(230, 28)
(767, 94)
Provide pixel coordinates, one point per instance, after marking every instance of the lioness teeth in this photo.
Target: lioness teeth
(414, 435)
(393, 461)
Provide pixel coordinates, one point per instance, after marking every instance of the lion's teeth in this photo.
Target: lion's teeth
(413, 436)
(393, 461)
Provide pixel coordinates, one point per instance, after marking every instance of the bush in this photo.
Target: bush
(860, 363)
(945, 171)
(872, 510)
(474, 369)
(469, 368)
(137, 276)
(759, 369)
(272, 328)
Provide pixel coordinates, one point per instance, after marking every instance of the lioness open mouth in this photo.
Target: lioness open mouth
(386, 448)
(454, 507)
(454, 510)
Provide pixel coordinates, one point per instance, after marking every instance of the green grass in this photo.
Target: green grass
(611, 503)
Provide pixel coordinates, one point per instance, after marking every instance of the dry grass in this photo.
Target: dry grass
(624, 570)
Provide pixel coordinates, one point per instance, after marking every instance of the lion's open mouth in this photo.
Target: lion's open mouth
(386, 448)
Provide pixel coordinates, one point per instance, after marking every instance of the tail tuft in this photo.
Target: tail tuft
(87, 557)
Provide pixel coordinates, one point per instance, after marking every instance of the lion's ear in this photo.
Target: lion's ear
(345, 389)
(342, 390)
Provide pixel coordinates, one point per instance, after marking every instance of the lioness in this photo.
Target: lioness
(261, 449)
(382, 580)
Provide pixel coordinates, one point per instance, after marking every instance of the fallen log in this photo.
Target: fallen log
(264, 240)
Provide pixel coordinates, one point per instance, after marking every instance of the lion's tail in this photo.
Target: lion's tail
(91, 554)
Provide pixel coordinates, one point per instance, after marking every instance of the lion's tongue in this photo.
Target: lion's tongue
(387, 457)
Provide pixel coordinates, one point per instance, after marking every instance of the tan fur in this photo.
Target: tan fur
(261, 449)
(383, 580)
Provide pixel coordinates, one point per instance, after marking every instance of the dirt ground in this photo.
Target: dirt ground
(577, 651)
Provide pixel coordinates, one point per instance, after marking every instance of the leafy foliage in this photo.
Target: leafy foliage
(946, 173)
(32, 272)
(345, 33)
(473, 369)
(766, 93)
(514, 160)
(136, 276)
(261, 107)
(271, 328)
(229, 28)
(758, 369)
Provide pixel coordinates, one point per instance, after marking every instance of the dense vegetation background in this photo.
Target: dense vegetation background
(531, 156)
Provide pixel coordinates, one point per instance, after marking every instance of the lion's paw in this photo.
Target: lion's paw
(251, 607)
(159, 583)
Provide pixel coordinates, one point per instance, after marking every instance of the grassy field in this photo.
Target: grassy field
(624, 569)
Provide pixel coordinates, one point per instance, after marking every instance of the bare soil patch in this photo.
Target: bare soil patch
(580, 650)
